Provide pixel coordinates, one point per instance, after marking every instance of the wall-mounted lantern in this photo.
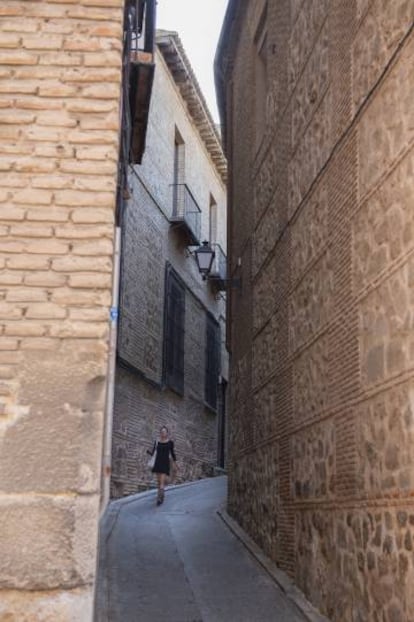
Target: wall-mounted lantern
(204, 255)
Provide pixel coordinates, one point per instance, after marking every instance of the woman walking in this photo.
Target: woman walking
(164, 448)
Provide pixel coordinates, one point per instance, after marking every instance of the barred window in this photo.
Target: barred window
(174, 332)
(212, 361)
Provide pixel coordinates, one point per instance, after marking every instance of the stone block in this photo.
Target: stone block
(381, 140)
(41, 344)
(311, 372)
(72, 263)
(110, 122)
(270, 348)
(33, 197)
(310, 304)
(95, 314)
(385, 329)
(46, 246)
(59, 119)
(26, 294)
(89, 167)
(90, 215)
(54, 58)
(9, 40)
(8, 344)
(89, 297)
(40, 42)
(10, 278)
(12, 213)
(312, 153)
(8, 311)
(16, 117)
(271, 285)
(304, 34)
(91, 248)
(309, 231)
(91, 280)
(48, 310)
(103, 59)
(90, 106)
(25, 329)
(311, 87)
(77, 198)
(59, 606)
(35, 103)
(59, 554)
(385, 443)
(31, 231)
(58, 151)
(87, 330)
(268, 232)
(107, 91)
(377, 39)
(18, 58)
(35, 165)
(313, 462)
(83, 232)
(383, 229)
(45, 279)
(51, 214)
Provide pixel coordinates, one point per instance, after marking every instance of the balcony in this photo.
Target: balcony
(186, 214)
(218, 273)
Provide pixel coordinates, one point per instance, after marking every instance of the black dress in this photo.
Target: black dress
(162, 460)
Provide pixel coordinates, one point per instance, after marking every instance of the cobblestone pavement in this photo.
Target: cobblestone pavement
(180, 563)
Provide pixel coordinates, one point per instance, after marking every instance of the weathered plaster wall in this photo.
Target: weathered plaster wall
(59, 99)
(323, 379)
(142, 403)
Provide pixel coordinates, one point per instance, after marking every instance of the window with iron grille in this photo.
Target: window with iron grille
(174, 332)
(212, 361)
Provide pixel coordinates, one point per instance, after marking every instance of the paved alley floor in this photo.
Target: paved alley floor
(180, 563)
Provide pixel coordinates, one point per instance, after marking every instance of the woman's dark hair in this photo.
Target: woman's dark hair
(164, 427)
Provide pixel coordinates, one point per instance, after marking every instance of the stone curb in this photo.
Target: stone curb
(287, 586)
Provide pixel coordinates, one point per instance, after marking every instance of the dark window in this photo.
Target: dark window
(174, 332)
(212, 361)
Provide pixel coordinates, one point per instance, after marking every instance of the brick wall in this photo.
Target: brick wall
(59, 99)
(322, 413)
(142, 401)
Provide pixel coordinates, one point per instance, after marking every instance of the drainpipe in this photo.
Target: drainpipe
(110, 386)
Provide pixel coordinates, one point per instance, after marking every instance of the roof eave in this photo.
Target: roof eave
(173, 52)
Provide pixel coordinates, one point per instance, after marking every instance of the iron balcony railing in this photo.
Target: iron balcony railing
(141, 25)
(186, 212)
(218, 272)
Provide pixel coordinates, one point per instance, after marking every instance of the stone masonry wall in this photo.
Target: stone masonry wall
(59, 123)
(322, 417)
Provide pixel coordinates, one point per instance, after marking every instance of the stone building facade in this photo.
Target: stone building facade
(316, 100)
(59, 124)
(182, 171)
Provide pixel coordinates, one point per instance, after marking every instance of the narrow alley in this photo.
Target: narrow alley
(181, 563)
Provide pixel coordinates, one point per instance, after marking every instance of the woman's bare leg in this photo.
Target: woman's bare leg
(161, 478)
